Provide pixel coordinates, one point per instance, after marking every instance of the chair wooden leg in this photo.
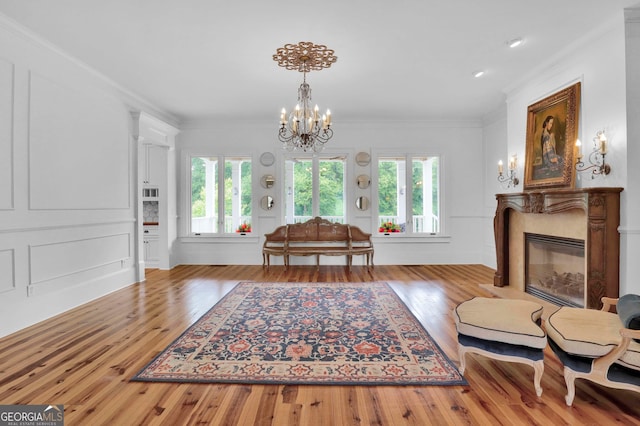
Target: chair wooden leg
(538, 368)
(570, 380)
(461, 354)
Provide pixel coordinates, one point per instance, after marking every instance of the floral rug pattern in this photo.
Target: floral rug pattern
(306, 333)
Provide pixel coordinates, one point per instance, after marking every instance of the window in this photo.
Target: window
(315, 187)
(208, 215)
(408, 196)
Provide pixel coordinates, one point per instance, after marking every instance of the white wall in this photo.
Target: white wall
(630, 226)
(458, 143)
(495, 149)
(67, 180)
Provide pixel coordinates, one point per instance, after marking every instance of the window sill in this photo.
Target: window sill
(222, 238)
(400, 238)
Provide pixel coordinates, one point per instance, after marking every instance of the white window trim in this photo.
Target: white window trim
(442, 235)
(185, 228)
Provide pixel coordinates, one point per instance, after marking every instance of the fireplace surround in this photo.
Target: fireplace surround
(593, 214)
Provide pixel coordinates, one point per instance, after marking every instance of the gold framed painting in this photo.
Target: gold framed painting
(552, 131)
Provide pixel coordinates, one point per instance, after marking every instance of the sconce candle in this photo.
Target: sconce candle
(579, 149)
(511, 179)
(603, 142)
(597, 157)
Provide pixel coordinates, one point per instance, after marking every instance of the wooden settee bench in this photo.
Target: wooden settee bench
(317, 237)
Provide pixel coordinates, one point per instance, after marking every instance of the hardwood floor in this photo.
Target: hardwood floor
(85, 358)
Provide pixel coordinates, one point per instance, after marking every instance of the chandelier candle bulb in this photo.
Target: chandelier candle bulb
(512, 163)
(500, 167)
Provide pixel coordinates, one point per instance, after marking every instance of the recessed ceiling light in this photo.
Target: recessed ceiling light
(515, 42)
(478, 73)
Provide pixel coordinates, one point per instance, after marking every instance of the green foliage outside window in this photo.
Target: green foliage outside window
(387, 188)
(331, 188)
(197, 187)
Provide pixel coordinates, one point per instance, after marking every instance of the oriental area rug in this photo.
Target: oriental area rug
(306, 333)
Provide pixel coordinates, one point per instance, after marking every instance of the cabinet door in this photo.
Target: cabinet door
(154, 165)
(151, 250)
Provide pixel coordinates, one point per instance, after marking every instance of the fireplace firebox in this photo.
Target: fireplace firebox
(554, 269)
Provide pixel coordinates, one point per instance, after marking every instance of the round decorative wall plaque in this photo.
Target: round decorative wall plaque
(363, 158)
(267, 159)
(364, 181)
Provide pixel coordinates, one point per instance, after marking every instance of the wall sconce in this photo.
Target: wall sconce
(596, 157)
(511, 179)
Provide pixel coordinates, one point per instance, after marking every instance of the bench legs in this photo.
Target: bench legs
(266, 261)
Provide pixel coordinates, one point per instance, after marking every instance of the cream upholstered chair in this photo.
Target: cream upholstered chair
(600, 346)
(504, 330)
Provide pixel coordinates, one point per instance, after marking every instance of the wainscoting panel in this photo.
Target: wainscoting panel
(87, 131)
(7, 271)
(72, 260)
(6, 134)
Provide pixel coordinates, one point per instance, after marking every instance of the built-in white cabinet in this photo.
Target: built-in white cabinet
(156, 194)
(151, 243)
(154, 164)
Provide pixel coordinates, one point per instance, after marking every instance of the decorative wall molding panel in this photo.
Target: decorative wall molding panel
(66, 258)
(7, 71)
(7, 270)
(87, 132)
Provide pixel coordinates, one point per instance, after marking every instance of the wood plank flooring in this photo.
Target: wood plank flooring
(84, 359)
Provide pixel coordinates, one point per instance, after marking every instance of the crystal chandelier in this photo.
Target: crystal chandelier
(303, 128)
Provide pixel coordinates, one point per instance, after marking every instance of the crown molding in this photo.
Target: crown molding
(127, 96)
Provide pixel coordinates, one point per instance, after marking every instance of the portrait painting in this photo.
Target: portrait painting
(552, 131)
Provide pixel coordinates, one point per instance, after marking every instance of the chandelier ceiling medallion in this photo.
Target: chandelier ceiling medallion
(303, 128)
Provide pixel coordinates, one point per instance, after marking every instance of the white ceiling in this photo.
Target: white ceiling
(413, 59)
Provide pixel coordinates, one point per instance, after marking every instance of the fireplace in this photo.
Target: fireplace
(588, 214)
(554, 269)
